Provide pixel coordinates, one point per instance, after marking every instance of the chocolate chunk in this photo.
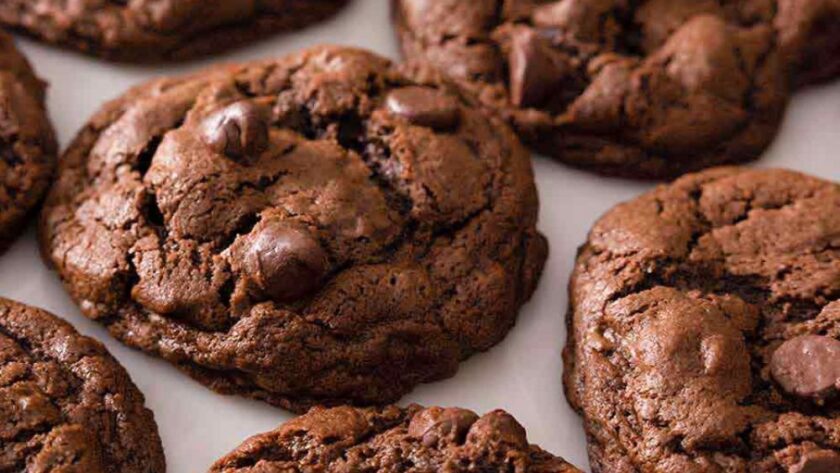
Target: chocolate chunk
(424, 106)
(499, 428)
(436, 423)
(818, 461)
(536, 71)
(284, 262)
(238, 130)
(808, 366)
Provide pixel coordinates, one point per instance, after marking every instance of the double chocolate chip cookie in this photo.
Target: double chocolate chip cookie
(318, 229)
(27, 141)
(704, 331)
(394, 440)
(648, 89)
(65, 404)
(159, 30)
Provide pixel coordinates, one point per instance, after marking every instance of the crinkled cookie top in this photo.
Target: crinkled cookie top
(155, 30)
(65, 404)
(705, 327)
(316, 229)
(27, 142)
(637, 88)
(411, 440)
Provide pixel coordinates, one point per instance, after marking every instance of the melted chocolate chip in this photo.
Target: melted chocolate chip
(284, 262)
(238, 130)
(498, 427)
(808, 366)
(424, 106)
(536, 71)
(818, 461)
(435, 423)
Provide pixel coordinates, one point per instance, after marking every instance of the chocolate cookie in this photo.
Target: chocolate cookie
(317, 229)
(704, 328)
(27, 141)
(394, 440)
(159, 30)
(635, 88)
(65, 404)
(809, 33)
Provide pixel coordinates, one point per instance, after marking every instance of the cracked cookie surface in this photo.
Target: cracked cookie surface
(645, 89)
(160, 30)
(66, 405)
(704, 327)
(27, 141)
(319, 229)
(411, 440)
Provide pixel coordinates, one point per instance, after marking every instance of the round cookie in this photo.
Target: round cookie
(27, 141)
(704, 327)
(318, 229)
(645, 89)
(160, 30)
(396, 440)
(66, 405)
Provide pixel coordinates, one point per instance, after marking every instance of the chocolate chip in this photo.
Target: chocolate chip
(808, 366)
(818, 461)
(498, 427)
(284, 262)
(435, 423)
(424, 106)
(238, 130)
(536, 71)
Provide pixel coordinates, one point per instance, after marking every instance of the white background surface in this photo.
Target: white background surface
(521, 375)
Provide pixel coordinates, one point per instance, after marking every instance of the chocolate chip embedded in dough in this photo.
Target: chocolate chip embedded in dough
(284, 262)
(238, 130)
(808, 366)
(536, 71)
(498, 427)
(436, 423)
(319, 265)
(424, 106)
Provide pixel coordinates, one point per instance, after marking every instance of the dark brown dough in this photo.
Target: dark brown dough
(646, 89)
(394, 440)
(692, 308)
(809, 33)
(27, 141)
(66, 405)
(276, 230)
(160, 30)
